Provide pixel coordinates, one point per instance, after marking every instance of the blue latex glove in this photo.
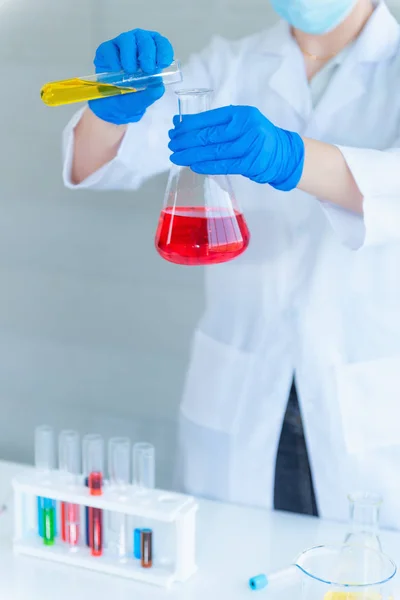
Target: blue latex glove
(130, 52)
(238, 140)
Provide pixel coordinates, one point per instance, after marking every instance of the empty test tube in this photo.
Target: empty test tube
(93, 454)
(119, 450)
(44, 463)
(69, 465)
(144, 466)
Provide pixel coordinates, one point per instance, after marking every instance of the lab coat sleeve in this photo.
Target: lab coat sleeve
(144, 149)
(377, 174)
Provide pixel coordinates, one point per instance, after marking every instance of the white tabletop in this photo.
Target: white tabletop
(234, 543)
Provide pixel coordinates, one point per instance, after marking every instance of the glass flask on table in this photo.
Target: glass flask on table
(364, 519)
(333, 573)
(200, 223)
(344, 572)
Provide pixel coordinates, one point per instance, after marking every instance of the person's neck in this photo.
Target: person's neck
(324, 47)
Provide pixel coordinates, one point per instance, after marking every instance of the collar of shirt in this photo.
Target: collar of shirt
(321, 80)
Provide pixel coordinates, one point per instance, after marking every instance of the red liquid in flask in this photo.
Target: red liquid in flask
(201, 236)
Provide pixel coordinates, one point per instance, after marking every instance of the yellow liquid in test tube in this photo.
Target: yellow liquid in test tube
(74, 90)
(367, 595)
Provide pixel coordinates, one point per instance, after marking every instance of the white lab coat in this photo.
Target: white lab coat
(300, 300)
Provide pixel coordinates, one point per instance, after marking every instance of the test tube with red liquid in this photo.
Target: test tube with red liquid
(69, 465)
(93, 452)
(201, 222)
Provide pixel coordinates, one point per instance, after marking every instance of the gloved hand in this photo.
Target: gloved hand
(238, 140)
(131, 51)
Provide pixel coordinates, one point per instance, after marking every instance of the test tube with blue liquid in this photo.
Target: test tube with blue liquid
(119, 450)
(45, 463)
(144, 471)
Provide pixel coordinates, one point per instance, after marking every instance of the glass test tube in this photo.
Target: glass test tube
(86, 483)
(49, 521)
(147, 548)
(119, 474)
(69, 465)
(103, 85)
(93, 453)
(44, 463)
(144, 470)
(144, 466)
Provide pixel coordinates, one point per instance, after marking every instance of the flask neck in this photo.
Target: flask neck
(365, 512)
(192, 102)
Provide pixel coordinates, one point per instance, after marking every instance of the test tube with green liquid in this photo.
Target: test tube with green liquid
(44, 463)
(49, 519)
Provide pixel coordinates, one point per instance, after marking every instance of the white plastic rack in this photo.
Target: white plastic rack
(177, 510)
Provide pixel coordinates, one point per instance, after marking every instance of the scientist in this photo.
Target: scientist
(307, 115)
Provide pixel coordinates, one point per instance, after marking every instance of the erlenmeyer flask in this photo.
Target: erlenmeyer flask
(346, 573)
(364, 520)
(200, 223)
(334, 573)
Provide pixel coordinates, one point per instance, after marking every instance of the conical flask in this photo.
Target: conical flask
(346, 573)
(364, 520)
(200, 223)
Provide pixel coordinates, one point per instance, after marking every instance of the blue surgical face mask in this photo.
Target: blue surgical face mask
(314, 16)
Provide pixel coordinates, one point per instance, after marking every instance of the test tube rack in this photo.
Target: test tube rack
(178, 510)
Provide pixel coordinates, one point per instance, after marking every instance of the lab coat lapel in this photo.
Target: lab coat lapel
(347, 85)
(289, 79)
(377, 42)
(291, 85)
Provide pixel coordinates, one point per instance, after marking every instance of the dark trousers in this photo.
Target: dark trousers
(294, 489)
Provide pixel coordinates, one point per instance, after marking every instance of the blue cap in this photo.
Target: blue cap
(258, 583)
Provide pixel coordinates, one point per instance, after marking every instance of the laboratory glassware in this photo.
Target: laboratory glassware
(69, 466)
(345, 573)
(44, 463)
(364, 508)
(93, 453)
(86, 483)
(144, 466)
(119, 452)
(200, 223)
(103, 85)
(144, 478)
(334, 573)
(137, 543)
(146, 548)
(49, 520)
